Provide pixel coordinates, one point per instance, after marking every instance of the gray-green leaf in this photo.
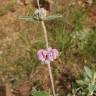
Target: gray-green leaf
(27, 18)
(52, 17)
(81, 82)
(91, 88)
(88, 72)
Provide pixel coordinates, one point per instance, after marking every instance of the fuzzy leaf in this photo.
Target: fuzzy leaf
(36, 18)
(95, 87)
(94, 76)
(27, 18)
(91, 88)
(52, 17)
(88, 71)
(81, 82)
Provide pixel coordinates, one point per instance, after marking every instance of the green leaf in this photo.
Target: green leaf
(40, 93)
(52, 17)
(27, 18)
(94, 76)
(36, 18)
(88, 71)
(95, 87)
(81, 82)
(91, 88)
(86, 78)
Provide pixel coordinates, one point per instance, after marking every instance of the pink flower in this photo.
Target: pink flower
(42, 54)
(50, 54)
(47, 55)
(55, 53)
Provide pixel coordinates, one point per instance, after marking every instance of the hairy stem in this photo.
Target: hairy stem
(46, 41)
(45, 33)
(49, 67)
(51, 78)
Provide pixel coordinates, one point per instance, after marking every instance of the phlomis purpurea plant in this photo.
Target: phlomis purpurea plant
(48, 54)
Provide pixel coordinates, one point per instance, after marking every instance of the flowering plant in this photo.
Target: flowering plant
(49, 54)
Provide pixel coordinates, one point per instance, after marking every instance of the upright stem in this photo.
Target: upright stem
(45, 33)
(38, 4)
(51, 78)
(46, 41)
(49, 67)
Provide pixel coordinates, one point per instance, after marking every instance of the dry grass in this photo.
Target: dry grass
(19, 40)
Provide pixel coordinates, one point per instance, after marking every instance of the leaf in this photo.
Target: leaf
(36, 18)
(86, 78)
(91, 88)
(40, 93)
(81, 82)
(94, 76)
(88, 71)
(52, 17)
(27, 18)
(95, 87)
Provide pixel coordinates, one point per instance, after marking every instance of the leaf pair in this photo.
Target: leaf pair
(36, 18)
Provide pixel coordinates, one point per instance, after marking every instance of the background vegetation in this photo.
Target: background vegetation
(74, 36)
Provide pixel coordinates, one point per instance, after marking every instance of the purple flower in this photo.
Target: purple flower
(47, 55)
(55, 53)
(41, 54)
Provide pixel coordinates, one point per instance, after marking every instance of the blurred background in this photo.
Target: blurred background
(74, 35)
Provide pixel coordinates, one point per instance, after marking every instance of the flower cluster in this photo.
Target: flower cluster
(47, 55)
(40, 13)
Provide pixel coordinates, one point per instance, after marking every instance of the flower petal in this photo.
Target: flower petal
(41, 54)
(55, 53)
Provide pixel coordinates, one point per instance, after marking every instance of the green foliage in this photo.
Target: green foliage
(27, 64)
(90, 45)
(88, 82)
(70, 35)
(22, 67)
